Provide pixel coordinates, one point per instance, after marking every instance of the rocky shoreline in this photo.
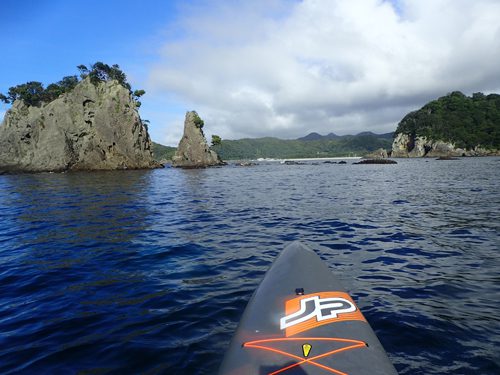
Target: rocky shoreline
(407, 146)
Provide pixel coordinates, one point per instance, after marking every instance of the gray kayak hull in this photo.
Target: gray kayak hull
(301, 321)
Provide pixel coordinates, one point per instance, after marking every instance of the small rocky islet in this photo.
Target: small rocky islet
(376, 161)
(193, 150)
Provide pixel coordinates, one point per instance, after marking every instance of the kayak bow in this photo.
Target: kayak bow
(300, 321)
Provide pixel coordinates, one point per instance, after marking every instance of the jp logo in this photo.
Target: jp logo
(319, 308)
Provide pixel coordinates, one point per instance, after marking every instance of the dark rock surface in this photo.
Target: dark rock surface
(376, 161)
(447, 158)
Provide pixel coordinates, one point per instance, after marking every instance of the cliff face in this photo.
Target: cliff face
(193, 150)
(405, 146)
(91, 127)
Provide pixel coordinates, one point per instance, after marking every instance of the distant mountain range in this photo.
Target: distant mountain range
(316, 137)
(310, 146)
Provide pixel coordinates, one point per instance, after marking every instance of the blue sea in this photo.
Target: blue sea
(149, 271)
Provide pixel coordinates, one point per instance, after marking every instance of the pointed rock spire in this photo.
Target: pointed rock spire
(193, 150)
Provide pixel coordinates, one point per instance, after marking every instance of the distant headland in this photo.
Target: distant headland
(453, 125)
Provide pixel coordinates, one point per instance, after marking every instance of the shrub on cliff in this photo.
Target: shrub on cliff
(216, 140)
(103, 72)
(198, 121)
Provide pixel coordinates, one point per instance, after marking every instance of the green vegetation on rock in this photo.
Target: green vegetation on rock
(216, 140)
(34, 94)
(465, 121)
(103, 72)
(198, 121)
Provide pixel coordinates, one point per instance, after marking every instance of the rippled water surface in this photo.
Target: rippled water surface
(149, 271)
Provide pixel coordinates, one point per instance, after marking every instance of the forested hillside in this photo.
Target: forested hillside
(465, 121)
(161, 152)
(297, 148)
(305, 147)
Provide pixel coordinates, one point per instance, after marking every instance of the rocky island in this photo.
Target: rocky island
(193, 150)
(87, 124)
(453, 125)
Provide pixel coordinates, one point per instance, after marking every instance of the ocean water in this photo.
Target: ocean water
(149, 271)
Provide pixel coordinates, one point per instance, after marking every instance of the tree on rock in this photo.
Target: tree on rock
(4, 99)
(68, 83)
(52, 92)
(84, 71)
(103, 72)
(216, 140)
(137, 94)
(31, 93)
(34, 94)
(198, 121)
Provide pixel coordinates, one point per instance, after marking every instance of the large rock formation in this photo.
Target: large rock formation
(193, 150)
(90, 127)
(405, 146)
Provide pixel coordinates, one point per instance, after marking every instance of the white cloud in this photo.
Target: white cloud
(289, 68)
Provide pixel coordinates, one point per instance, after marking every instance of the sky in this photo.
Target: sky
(281, 68)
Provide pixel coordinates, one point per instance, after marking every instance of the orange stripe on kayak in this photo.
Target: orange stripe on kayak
(310, 361)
